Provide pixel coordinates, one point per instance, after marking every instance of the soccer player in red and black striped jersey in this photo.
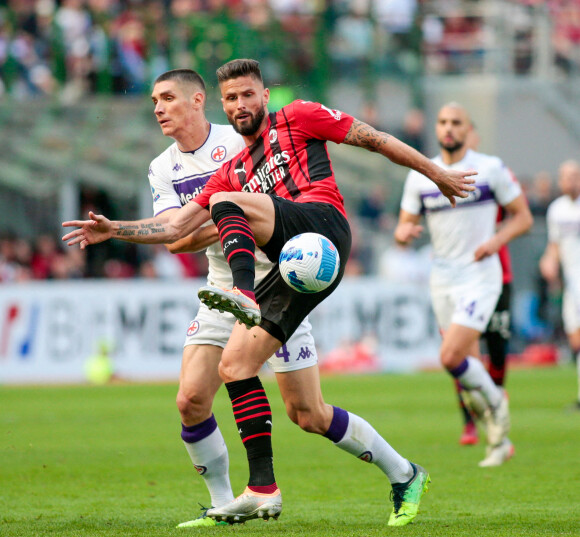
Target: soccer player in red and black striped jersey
(281, 185)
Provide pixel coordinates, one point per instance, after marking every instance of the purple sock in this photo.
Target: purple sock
(460, 369)
(338, 425)
(198, 432)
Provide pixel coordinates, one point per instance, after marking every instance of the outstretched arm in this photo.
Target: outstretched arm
(451, 182)
(148, 231)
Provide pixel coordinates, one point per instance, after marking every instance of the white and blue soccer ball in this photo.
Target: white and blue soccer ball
(309, 262)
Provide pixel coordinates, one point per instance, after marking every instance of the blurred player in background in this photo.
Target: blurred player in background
(563, 219)
(281, 185)
(466, 277)
(498, 331)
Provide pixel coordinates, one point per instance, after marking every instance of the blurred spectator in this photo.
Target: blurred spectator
(371, 210)
(413, 132)
(566, 35)
(45, 252)
(541, 193)
(118, 269)
(131, 47)
(396, 16)
(352, 44)
(361, 259)
(8, 264)
(462, 43)
(73, 24)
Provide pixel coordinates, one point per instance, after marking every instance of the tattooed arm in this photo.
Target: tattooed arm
(450, 182)
(157, 230)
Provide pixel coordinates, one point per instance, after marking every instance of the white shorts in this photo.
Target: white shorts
(570, 311)
(466, 305)
(210, 327)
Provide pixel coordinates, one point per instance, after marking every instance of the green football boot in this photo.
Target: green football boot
(407, 496)
(201, 521)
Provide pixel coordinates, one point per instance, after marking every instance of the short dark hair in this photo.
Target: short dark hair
(238, 68)
(188, 76)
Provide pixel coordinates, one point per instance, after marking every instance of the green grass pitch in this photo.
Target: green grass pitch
(108, 461)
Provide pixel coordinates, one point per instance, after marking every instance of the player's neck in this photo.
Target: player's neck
(194, 138)
(453, 157)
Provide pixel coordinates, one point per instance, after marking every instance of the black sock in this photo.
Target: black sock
(253, 417)
(237, 242)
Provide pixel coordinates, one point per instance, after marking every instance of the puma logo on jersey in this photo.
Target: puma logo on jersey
(240, 170)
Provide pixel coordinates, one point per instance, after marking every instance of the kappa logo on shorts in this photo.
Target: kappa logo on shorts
(193, 328)
(366, 456)
(273, 135)
(218, 153)
(200, 469)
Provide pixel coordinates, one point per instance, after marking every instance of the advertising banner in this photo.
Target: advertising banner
(50, 331)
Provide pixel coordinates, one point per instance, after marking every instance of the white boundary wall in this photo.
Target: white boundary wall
(49, 329)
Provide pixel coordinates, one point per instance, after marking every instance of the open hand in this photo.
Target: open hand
(455, 183)
(93, 231)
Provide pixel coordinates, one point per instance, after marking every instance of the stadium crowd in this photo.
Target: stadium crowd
(71, 48)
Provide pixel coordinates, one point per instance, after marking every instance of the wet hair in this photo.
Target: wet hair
(238, 68)
(187, 76)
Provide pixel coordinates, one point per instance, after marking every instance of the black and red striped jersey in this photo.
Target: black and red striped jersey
(290, 158)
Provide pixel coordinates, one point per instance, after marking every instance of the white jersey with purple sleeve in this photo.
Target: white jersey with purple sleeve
(176, 177)
(457, 232)
(563, 218)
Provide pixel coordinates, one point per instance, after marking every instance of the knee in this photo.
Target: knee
(451, 357)
(305, 420)
(193, 407)
(232, 368)
(226, 370)
(309, 420)
(218, 197)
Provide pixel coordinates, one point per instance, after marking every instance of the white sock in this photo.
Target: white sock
(475, 377)
(362, 441)
(210, 458)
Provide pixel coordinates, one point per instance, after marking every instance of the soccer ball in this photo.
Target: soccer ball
(309, 262)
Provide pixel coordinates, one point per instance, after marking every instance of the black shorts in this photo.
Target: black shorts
(500, 321)
(283, 308)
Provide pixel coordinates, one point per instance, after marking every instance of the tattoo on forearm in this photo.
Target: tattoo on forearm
(151, 229)
(140, 230)
(362, 135)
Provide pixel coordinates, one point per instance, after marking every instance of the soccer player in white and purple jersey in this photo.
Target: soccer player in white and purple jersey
(563, 218)
(466, 274)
